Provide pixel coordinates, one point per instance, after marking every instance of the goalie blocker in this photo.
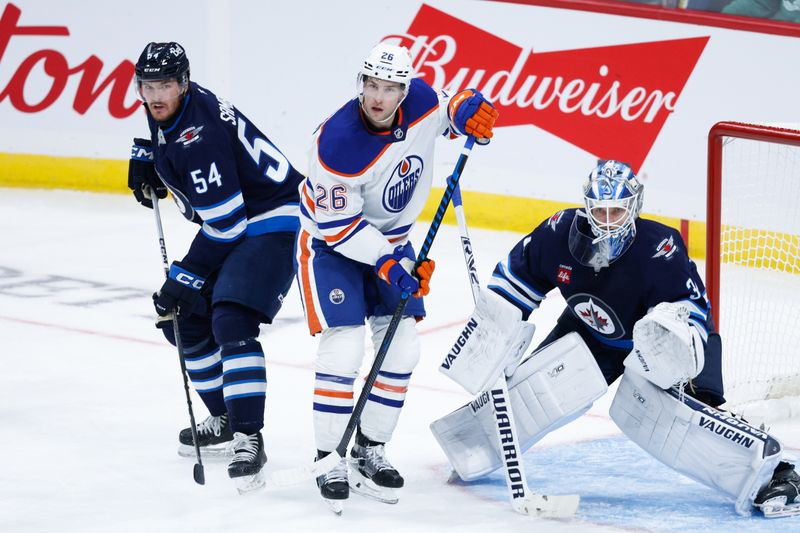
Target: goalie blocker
(495, 337)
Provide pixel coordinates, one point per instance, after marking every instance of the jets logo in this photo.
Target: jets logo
(554, 220)
(190, 135)
(400, 187)
(666, 248)
(597, 315)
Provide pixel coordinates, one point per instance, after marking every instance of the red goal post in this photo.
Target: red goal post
(753, 257)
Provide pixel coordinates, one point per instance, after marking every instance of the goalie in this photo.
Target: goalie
(636, 308)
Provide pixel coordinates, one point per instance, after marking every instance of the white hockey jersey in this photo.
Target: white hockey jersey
(365, 188)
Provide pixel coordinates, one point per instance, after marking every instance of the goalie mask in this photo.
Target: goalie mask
(605, 229)
(387, 62)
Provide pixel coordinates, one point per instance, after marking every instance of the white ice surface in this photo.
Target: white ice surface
(91, 401)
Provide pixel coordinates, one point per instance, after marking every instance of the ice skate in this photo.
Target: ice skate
(248, 460)
(780, 497)
(333, 486)
(373, 476)
(213, 436)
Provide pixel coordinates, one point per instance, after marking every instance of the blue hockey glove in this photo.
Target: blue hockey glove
(396, 269)
(472, 114)
(142, 177)
(180, 291)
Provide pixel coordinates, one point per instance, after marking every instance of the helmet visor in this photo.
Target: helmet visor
(162, 91)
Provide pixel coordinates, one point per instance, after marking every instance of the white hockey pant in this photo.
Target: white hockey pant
(552, 387)
(339, 358)
(717, 450)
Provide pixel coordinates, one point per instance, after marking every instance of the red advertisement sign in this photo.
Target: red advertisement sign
(611, 101)
(56, 67)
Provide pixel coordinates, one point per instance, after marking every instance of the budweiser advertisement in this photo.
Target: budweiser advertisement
(571, 86)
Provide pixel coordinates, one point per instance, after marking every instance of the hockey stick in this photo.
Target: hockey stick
(522, 499)
(199, 473)
(305, 473)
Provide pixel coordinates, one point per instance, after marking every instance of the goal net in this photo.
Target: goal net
(753, 258)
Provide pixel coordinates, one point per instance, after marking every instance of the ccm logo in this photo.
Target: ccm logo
(186, 279)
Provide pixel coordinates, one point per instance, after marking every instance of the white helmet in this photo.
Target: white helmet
(387, 62)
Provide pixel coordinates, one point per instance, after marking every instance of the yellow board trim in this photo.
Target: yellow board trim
(51, 172)
(484, 210)
(513, 213)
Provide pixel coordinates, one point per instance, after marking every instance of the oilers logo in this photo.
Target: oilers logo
(400, 187)
(597, 315)
(336, 296)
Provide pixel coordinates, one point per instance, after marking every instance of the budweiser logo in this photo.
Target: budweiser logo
(611, 101)
(58, 72)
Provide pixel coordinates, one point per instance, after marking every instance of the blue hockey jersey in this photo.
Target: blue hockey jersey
(225, 175)
(656, 268)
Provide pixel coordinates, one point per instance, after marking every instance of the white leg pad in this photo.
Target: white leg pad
(549, 389)
(700, 442)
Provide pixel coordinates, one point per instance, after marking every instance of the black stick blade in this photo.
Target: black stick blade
(199, 474)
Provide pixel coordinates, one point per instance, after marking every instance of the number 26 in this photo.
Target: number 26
(337, 196)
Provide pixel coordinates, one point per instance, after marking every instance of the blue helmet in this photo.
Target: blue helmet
(613, 201)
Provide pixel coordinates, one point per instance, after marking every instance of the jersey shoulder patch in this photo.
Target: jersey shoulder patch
(663, 242)
(345, 147)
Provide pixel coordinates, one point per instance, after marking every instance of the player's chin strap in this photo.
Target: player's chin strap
(306, 473)
(199, 472)
(522, 499)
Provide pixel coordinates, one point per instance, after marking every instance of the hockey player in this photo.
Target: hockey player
(227, 177)
(370, 173)
(635, 299)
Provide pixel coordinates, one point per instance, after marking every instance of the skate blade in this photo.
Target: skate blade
(365, 487)
(778, 508)
(336, 506)
(210, 452)
(247, 484)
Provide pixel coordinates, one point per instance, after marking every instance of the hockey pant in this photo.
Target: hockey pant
(339, 358)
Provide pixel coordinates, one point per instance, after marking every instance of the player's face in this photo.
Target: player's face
(381, 99)
(162, 97)
(610, 217)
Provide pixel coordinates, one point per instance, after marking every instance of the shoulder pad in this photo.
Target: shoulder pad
(345, 147)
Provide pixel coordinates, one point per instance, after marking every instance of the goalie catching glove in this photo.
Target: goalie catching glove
(494, 338)
(667, 349)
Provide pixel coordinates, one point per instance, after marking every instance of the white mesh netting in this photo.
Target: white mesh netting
(759, 305)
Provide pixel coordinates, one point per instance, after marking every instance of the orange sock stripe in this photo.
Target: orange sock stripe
(390, 388)
(334, 393)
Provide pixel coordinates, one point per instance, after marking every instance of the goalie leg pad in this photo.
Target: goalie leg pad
(717, 450)
(493, 338)
(555, 385)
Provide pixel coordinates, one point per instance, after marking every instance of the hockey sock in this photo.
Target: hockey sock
(244, 382)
